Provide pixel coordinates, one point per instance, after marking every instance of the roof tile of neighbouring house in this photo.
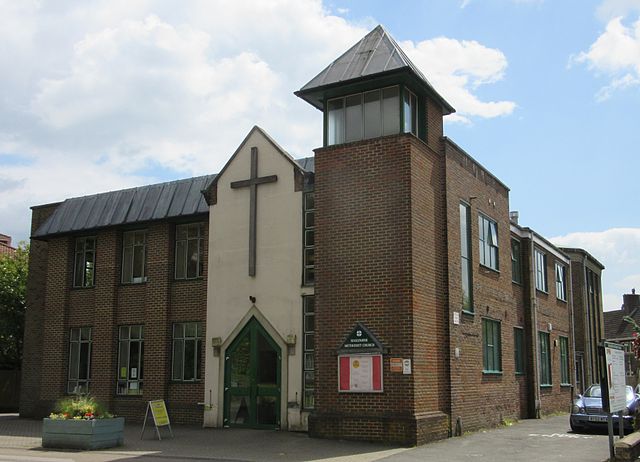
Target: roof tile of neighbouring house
(615, 327)
(173, 199)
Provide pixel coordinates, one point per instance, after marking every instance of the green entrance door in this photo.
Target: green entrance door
(252, 379)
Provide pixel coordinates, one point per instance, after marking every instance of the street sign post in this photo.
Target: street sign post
(613, 386)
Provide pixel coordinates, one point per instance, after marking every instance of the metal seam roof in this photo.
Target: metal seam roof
(159, 201)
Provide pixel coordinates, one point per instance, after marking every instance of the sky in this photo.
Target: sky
(103, 95)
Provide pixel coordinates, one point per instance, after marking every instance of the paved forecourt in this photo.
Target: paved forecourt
(546, 440)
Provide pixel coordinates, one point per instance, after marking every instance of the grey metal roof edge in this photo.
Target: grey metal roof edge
(540, 239)
(583, 252)
(127, 225)
(409, 66)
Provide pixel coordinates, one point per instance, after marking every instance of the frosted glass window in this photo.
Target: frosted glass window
(372, 114)
(353, 118)
(335, 121)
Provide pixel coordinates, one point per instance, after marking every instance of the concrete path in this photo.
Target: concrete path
(540, 440)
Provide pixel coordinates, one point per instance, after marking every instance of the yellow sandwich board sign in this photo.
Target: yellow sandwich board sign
(160, 415)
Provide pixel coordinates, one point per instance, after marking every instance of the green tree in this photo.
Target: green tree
(13, 290)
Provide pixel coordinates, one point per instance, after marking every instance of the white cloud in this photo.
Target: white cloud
(609, 9)
(458, 67)
(618, 249)
(108, 94)
(616, 54)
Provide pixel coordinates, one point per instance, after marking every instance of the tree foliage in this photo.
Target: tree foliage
(13, 291)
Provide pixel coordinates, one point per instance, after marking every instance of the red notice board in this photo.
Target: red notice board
(360, 373)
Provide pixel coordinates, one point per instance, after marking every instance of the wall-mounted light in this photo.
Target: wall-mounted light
(216, 343)
(290, 340)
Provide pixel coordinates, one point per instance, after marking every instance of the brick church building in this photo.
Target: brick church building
(379, 290)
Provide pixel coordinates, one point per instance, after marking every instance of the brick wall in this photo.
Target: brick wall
(375, 217)
(33, 336)
(481, 399)
(156, 304)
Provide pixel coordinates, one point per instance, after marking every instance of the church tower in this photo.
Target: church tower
(382, 344)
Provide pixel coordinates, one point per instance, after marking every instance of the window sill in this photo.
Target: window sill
(488, 268)
(565, 385)
(185, 382)
(520, 374)
(83, 287)
(199, 278)
(518, 283)
(491, 372)
(542, 291)
(561, 300)
(469, 312)
(546, 385)
(129, 284)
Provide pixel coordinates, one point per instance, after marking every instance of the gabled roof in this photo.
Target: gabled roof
(615, 327)
(146, 203)
(375, 54)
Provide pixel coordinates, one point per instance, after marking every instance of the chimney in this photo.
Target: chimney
(630, 301)
(513, 216)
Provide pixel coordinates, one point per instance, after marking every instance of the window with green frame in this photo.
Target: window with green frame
(564, 361)
(545, 359)
(518, 349)
(491, 346)
(308, 313)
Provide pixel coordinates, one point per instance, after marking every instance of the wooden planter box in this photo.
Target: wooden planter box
(83, 434)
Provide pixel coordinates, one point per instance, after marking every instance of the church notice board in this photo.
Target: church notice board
(614, 396)
(360, 362)
(158, 410)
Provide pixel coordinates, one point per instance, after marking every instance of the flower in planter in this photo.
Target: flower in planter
(82, 407)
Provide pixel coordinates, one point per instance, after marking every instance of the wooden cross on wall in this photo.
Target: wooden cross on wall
(253, 183)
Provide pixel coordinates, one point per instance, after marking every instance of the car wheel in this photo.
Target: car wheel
(575, 428)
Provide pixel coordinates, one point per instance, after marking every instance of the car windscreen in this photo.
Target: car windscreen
(593, 392)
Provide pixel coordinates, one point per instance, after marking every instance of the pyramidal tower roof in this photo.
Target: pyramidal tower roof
(377, 54)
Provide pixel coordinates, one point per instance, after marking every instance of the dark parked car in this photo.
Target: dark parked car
(587, 412)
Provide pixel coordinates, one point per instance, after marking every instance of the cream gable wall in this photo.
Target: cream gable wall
(277, 283)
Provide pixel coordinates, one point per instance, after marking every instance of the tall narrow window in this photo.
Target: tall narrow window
(465, 258)
(308, 239)
(133, 257)
(545, 359)
(189, 251)
(335, 121)
(353, 118)
(561, 282)
(390, 114)
(488, 233)
(491, 346)
(410, 112)
(541, 270)
(564, 361)
(85, 262)
(372, 114)
(308, 368)
(187, 351)
(130, 360)
(79, 360)
(518, 349)
(516, 262)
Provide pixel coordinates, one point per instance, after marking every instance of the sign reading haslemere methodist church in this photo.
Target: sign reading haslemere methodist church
(360, 362)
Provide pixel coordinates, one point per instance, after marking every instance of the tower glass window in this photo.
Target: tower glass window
(370, 114)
